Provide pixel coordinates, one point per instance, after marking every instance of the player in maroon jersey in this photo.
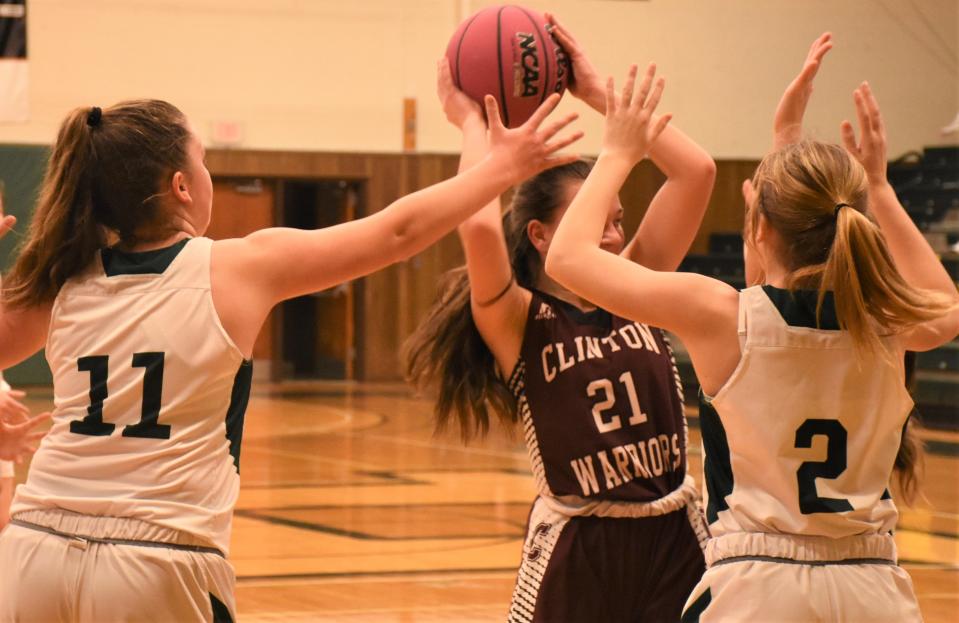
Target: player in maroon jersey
(611, 535)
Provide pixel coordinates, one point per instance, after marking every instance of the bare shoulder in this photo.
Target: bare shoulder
(688, 304)
(713, 339)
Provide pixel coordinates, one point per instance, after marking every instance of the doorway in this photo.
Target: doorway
(318, 331)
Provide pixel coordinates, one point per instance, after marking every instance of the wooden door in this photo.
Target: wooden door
(240, 207)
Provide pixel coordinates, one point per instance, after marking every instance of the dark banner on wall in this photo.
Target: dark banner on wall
(14, 85)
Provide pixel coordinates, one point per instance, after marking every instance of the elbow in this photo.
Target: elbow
(478, 229)
(708, 169)
(705, 171)
(953, 331)
(404, 240)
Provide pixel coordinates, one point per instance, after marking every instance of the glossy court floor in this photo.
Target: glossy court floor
(352, 511)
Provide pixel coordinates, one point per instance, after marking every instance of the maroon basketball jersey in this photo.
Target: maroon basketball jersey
(601, 404)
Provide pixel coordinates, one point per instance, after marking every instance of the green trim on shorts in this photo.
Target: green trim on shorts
(812, 563)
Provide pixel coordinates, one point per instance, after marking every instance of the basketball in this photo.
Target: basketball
(508, 52)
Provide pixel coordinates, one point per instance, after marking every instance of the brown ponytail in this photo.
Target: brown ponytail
(446, 352)
(102, 184)
(814, 195)
(909, 460)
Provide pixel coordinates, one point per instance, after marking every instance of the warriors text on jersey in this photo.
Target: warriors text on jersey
(150, 393)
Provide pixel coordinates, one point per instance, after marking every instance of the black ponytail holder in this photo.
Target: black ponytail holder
(839, 206)
(94, 116)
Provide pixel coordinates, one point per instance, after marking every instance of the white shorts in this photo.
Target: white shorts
(776, 578)
(50, 577)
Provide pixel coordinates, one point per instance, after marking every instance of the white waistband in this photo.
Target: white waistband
(684, 495)
(101, 527)
(800, 547)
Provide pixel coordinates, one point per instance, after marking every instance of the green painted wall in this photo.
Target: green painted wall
(21, 170)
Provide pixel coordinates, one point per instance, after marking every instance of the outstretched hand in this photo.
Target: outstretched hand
(584, 81)
(630, 128)
(870, 151)
(17, 441)
(458, 106)
(527, 150)
(787, 123)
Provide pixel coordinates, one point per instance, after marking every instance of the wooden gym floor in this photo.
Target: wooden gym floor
(351, 511)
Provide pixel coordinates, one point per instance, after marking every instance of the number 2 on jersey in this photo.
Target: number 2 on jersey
(614, 422)
(832, 467)
(147, 427)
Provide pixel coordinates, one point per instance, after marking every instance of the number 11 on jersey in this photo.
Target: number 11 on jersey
(147, 427)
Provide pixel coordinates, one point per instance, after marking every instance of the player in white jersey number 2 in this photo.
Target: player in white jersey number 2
(149, 329)
(804, 399)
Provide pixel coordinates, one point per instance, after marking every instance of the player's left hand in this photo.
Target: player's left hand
(584, 81)
(631, 127)
(787, 122)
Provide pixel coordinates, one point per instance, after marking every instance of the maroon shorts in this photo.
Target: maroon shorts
(606, 569)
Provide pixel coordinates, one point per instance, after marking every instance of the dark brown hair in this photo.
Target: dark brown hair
(446, 352)
(103, 182)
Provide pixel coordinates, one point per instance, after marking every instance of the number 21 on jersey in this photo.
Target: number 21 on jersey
(606, 423)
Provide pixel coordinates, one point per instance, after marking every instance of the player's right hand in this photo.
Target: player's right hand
(870, 151)
(459, 107)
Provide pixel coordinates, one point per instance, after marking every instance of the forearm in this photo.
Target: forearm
(680, 157)
(487, 259)
(914, 258)
(676, 212)
(581, 230)
(475, 148)
(421, 218)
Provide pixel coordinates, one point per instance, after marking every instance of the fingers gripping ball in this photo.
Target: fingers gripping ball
(509, 53)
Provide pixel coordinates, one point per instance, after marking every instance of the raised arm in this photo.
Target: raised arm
(914, 258)
(702, 311)
(276, 264)
(787, 122)
(676, 211)
(498, 303)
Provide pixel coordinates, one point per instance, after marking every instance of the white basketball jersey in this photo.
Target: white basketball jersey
(149, 395)
(802, 438)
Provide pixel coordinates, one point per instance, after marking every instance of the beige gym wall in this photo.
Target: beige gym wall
(320, 75)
